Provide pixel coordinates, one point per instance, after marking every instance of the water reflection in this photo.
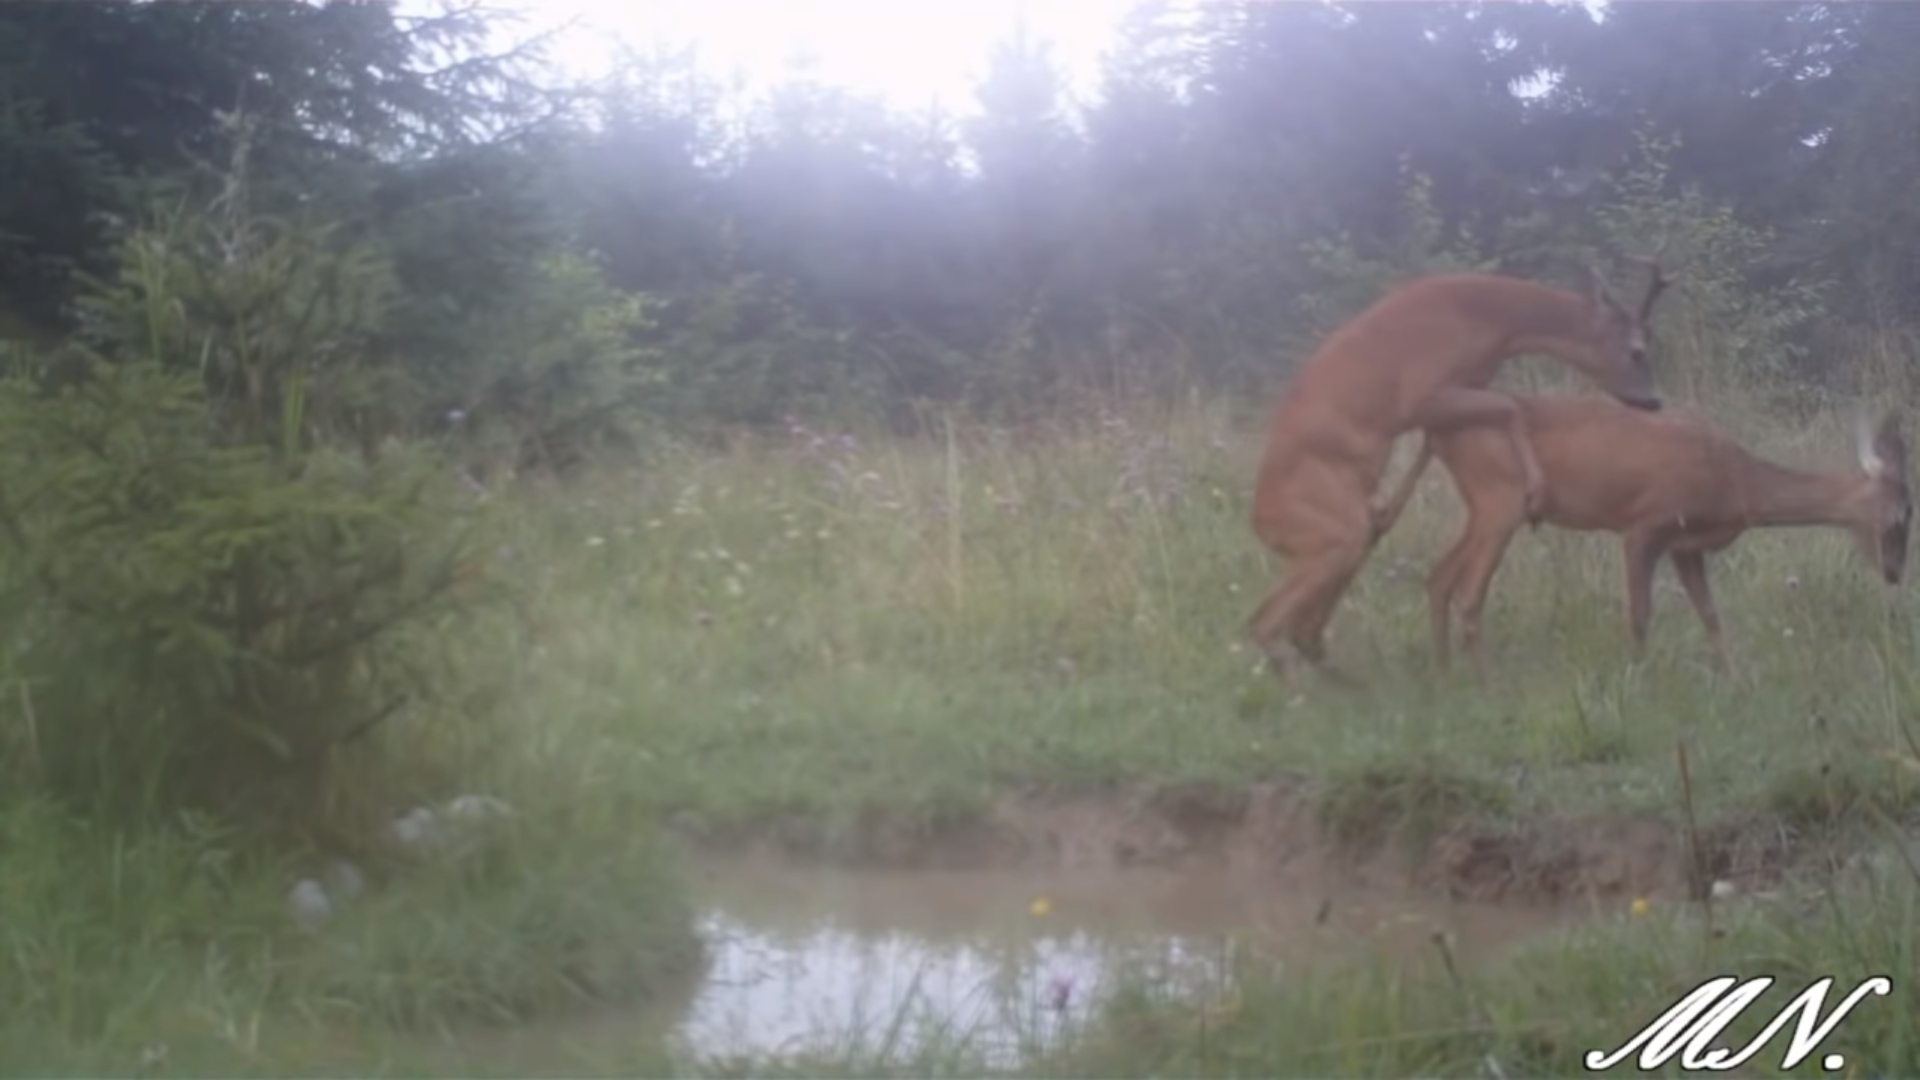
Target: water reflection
(839, 991)
(869, 965)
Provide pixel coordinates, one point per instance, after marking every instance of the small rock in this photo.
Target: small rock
(417, 830)
(1722, 889)
(308, 902)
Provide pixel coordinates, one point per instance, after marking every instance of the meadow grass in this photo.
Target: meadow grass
(799, 633)
(826, 626)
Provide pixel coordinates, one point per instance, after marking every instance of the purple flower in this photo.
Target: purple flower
(1060, 992)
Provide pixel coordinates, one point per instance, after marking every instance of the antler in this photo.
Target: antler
(1597, 285)
(1660, 281)
(1863, 442)
(1655, 287)
(1882, 446)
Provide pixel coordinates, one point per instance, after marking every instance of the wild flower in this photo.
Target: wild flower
(1060, 992)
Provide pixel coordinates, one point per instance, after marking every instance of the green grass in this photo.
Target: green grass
(801, 636)
(770, 633)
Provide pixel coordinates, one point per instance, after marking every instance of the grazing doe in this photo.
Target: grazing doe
(1419, 357)
(1670, 485)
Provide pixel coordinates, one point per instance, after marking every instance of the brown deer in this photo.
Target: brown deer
(1419, 358)
(1670, 485)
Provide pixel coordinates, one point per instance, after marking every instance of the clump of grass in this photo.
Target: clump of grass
(103, 932)
(1824, 795)
(1414, 801)
(530, 924)
(180, 935)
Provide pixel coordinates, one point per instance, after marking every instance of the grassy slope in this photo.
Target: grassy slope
(829, 626)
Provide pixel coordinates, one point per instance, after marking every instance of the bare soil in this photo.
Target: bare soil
(1276, 829)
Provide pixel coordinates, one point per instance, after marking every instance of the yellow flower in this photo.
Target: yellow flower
(1040, 906)
(1638, 907)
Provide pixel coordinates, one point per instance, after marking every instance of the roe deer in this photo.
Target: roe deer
(1419, 357)
(1670, 485)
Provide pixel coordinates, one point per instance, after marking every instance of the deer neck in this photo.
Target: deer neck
(1772, 494)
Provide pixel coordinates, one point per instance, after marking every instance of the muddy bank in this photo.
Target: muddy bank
(1285, 828)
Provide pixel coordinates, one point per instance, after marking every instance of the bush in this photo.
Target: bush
(203, 625)
(207, 579)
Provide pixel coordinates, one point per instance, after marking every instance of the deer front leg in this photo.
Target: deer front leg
(1456, 407)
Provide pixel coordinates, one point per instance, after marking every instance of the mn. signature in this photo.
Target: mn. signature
(1690, 1026)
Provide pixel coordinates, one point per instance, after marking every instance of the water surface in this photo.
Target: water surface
(871, 964)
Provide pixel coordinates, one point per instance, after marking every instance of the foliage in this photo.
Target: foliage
(196, 624)
(1737, 334)
(1353, 279)
(103, 99)
(275, 318)
(562, 373)
(206, 582)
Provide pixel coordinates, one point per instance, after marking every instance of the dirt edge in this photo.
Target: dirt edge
(1277, 828)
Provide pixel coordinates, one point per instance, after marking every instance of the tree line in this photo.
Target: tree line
(1244, 174)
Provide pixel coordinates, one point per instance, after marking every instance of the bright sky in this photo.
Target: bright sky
(908, 51)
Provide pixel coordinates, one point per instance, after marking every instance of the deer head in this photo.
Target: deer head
(1618, 337)
(1882, 530)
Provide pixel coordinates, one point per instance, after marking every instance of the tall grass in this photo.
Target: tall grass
(822, 624)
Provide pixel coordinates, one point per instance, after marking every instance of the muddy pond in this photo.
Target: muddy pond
(871, 965)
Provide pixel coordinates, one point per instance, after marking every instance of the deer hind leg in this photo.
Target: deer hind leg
(1456, 407)
(1485, 547)
(1443, 581)
(1316, 610)
(1324, 533)
(1270, 620)
(1298, 608)
(1691, 568)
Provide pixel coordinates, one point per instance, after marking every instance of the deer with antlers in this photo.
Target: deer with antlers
(1420, 357)
(1670, 485)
